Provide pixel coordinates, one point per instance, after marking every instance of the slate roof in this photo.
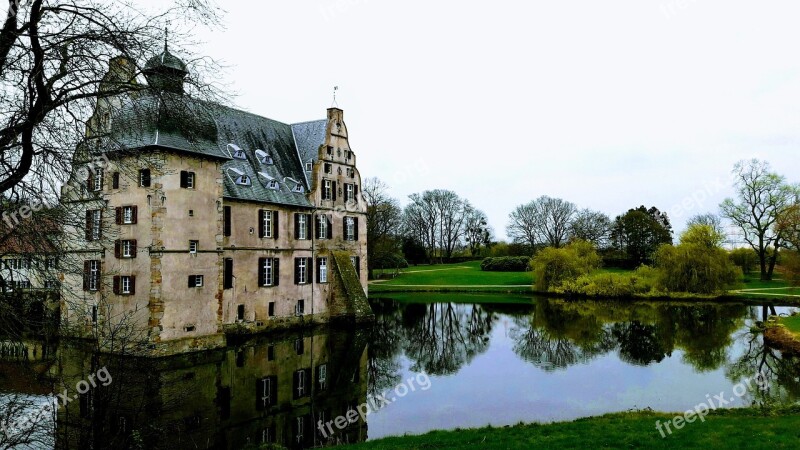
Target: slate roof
(179, 123)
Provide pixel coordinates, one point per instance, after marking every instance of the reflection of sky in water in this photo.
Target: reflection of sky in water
(499, 388)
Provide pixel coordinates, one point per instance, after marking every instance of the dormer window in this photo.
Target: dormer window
(273, 185)
(264, 157)
(236, 151)
(243, 180)
(309, 166)
(298, 188)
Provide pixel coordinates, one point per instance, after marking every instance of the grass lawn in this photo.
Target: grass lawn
(730, 429)
(469, 298)
(465, 274)
(792, 324)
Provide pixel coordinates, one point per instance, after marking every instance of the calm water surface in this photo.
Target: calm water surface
(465, 361)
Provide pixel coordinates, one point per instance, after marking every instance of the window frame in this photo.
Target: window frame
(194, 246)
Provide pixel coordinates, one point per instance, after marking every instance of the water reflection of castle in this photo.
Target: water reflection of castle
(273, 389)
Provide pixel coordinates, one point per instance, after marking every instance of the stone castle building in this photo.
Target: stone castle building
(202, 220)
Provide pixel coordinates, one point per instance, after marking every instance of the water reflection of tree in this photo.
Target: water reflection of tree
(383, 366)
(441, 337)
(780, 372)
(555, 338)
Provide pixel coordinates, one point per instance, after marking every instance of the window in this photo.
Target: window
(299, 346)
(268, 272)
(144, 178)
(193, 246)
(309, 166)
(350, 192)
(51, 284)
(271, 313)
(301, 271)
(243, 180)
(322, 377)
(298, 188)
(351, 172)
(195, 281)
(95, 181)
(322, 270)
(127, 215)
(187, 179)
(300, 308)
(125, 249)
(327, 190)
(191, 213)
(268, 224)
(350, 228)
(330, 150)
(301, 226)
(51, 262)
(356, 261)
(301, 383)
(94, 220)
(91, 275)
(324, 228)
(266, 392)
(328, 168)
(240, 313)
(124, 285)
(273, 185)
(264, 157)
(226, 220)
(115, 180)
(239, 154)
(227, 275)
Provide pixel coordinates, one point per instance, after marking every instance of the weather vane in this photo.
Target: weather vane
(335, 88)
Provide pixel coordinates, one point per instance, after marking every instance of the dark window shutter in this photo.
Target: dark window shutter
(191, 281)
(116, 284)
(315, 227)
(296, 226)
(330, 227)
(275, 229)
(135, 214)
(309, 270)
(260, 395)
(118, 215)
(358, 266)
(90, 181)
(133, 248)
(262, 231)
(117, 249)
(226, 219)
(344, 228)
(86, 275)
(228, 274)
(296, 385)
(184, 179)
(355, 228)
(276, 271)
(133, 284)
(88, 225)
(319, 270)
(355, 191)
(297, 271)
(100, 229)
(333, 190)
(115, 180)
(262, 274)
(144, 178)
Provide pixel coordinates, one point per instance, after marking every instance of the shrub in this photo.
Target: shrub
(791, 263)
(641, 281)
(506, 264)
(553, 266)
(745, 258)
(696, 269)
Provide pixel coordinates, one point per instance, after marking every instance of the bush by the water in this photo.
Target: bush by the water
(746, 258)
(639, 282)
(553, 266)
(506, 264)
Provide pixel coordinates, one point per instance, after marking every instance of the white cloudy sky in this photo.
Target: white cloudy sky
(607, 104)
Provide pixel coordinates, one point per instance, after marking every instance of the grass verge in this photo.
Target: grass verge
(729, 429)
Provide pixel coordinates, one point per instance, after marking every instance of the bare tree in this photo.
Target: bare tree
(477, 231)
(762, 196)
(592, 226)
(545, 220)
(437, 219)
(384, 220)
(452, 212)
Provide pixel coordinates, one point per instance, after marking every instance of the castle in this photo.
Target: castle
(199, 221)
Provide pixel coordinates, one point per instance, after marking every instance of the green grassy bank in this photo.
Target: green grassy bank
(729, 429)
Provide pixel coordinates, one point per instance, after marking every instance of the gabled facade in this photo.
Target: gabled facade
(202, 220)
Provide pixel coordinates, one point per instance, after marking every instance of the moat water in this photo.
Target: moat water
(431, 361)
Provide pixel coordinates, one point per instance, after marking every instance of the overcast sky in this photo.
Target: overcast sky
(607, 104)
